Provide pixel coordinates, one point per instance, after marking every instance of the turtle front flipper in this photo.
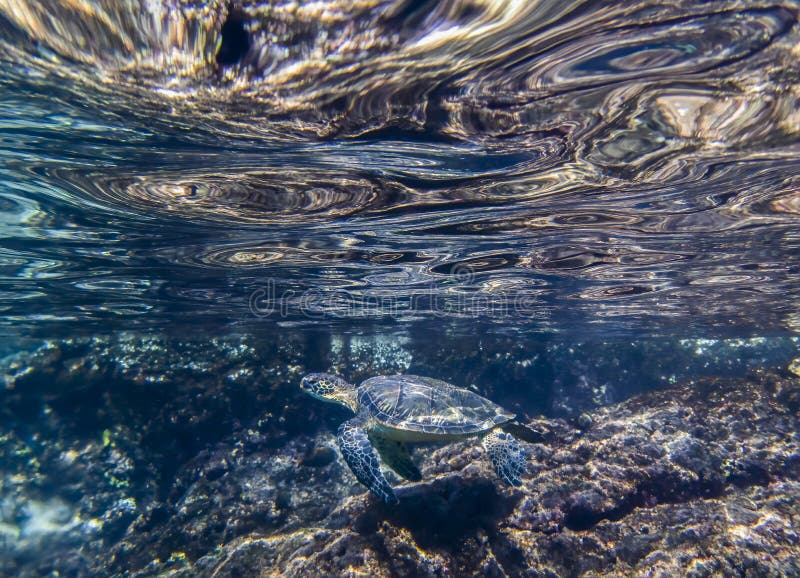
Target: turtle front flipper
(395, 454)
(363, 459)
(507, 455)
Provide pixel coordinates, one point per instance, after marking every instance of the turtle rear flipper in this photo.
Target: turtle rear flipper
(363, 459)
(395, 455)
(507, 455)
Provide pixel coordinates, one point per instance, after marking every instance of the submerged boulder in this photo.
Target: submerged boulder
(242, 477)
(697, 480)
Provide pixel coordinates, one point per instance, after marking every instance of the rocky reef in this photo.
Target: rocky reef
(207, 461)
(699, 480)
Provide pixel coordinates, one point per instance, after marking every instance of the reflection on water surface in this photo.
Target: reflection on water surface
(534, 166)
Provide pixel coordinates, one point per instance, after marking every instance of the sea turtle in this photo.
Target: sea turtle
(395, 409)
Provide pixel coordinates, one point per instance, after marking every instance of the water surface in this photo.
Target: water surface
(569, 167)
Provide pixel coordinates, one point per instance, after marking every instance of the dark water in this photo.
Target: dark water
(560, 204)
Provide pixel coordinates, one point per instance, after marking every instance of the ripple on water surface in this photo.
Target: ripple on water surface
(537, 165)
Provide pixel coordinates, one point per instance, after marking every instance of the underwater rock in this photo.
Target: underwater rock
(241, 475)
(92, 429)
(363, 356)
(697, 480)
(794, 366)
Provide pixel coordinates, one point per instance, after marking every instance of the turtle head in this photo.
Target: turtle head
(328, 387)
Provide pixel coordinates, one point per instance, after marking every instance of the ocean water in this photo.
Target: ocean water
(562, 206)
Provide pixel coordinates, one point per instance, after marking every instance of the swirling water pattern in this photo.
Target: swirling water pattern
(534, 166)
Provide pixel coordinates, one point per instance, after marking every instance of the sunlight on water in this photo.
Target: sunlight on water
(536, 166)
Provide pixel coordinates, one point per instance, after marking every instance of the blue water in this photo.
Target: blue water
(561, 204)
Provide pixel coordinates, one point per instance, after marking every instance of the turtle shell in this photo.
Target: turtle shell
(432, 406)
